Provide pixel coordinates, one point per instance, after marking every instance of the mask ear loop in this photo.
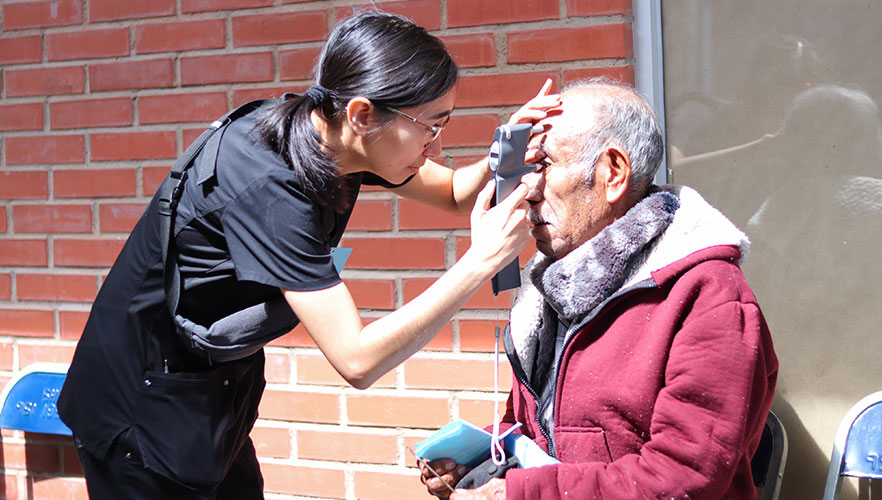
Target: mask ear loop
(497, 453)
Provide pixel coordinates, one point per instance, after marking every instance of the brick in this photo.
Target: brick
(32, 457)
(45, 81)
(480, 411)
(463, 243)
(133, 146)
(6, 356)
(3, 223)
(598, 7)
(180, 36)
(415, 215)
(377, 485)
(94, 183)
(609, 41)
(347, 446)
(29, 354)
(454, 374)
(86, 253)
(26, 323)
(188, 6)
(372, 294)
(478, 335)
(315, 369)
(23, 15)
(41, 149)
(472, 51)
(298, 337)
(24, 184)
(298, 64)
(71, 324)
(88, 44)
(20, 252)
(475, 12)
(112, 10)
(271, 29)
(622, 74)
(5, 286)
(473, 130)
(300, 406)
(129, 75)
(397, 411)
(60, 287)
(70, 464)
(119, 217)
(58, 488)
(242, 96)
(501, 90)
(116, 112)
(371, 215)
(227, 68)
(482, 299)
(52, 218)
(152, 177)
(272, 442)
(181, 107)
(395, 253)
(443, 340)
(22, 49)
(425, 13)
(303, 481)
(278, 368)
(15, 117)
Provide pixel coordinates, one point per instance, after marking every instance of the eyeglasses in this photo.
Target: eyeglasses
(435, 130)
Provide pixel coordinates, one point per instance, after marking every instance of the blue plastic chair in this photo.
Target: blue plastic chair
(29, 400)
(857, 450)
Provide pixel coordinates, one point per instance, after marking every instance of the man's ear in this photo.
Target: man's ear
(618, 176)
(359, 114)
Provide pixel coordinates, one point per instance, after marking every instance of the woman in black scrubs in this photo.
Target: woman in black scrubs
(262, 205)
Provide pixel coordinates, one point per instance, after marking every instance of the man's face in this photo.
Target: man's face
(564, 211)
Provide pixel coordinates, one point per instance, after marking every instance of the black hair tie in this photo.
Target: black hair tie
(318, 94)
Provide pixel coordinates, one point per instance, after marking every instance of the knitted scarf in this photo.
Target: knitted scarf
(568, 289)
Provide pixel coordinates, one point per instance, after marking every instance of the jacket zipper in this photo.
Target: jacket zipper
(519, 371)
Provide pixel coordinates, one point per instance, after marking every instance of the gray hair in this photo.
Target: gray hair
(624, 118)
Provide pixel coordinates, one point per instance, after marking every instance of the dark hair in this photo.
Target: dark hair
(383, 57)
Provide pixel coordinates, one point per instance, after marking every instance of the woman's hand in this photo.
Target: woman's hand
(536, 108)
(499, 233)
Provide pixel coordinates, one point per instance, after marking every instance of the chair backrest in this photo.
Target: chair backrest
(768, 462)
(857, 449)
(28, 400)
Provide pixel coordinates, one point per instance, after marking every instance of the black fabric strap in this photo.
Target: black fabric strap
(170, 194)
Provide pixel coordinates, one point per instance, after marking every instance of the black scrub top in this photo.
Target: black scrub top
(244, 230)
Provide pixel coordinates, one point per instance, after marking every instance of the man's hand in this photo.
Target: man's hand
(449, 471)
(494, 489)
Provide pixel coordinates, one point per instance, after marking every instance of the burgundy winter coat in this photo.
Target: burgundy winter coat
(663, 393)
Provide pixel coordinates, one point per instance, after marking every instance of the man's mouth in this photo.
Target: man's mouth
(535, 218)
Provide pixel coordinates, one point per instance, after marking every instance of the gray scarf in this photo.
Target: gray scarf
(575, 285)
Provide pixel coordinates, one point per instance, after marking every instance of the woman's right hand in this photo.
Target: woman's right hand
(499, 233)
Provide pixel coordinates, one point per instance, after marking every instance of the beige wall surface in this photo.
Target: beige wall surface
(772, 112)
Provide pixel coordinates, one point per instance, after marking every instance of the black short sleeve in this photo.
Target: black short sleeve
(277, 236)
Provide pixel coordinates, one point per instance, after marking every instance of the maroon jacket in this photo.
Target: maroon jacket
(663, 392)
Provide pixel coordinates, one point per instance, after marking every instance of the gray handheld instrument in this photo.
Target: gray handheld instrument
(507, 164)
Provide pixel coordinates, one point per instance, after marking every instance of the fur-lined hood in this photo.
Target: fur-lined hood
(695, 226)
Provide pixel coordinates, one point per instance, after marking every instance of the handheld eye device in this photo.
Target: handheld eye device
(507, 164)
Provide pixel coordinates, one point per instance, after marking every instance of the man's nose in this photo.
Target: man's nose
(533, 180)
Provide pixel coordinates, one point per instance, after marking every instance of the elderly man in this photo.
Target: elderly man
(641, 359)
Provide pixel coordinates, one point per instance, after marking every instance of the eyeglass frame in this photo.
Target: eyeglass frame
(435, 130)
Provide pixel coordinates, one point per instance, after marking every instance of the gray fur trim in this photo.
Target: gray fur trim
(696, 225)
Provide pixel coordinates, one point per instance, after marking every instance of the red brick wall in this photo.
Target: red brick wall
(97, 100)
